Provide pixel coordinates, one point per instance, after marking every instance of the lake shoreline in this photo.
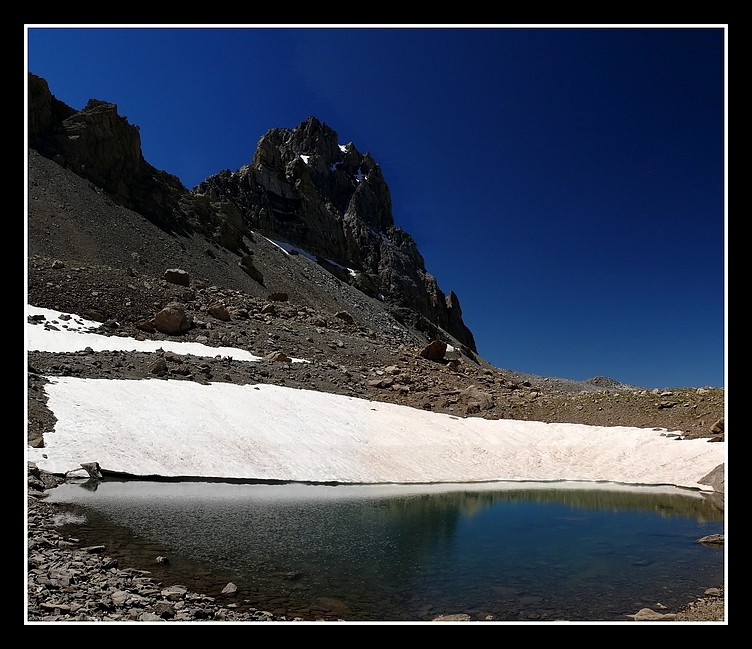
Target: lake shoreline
(133, 595)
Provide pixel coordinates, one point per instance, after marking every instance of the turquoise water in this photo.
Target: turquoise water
(505, 552)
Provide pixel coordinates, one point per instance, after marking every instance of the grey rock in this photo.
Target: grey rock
(219, 311)
(716, 479)
(177, 276)
(277, 357)
(93, 469)
(172, 320)
(648, 614)
(434, 351)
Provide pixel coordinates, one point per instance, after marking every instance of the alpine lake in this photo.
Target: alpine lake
(504, 552)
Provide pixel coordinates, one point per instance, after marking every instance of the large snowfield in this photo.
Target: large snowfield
(171, 428)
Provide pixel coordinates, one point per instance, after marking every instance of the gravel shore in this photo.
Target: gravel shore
(70, 583)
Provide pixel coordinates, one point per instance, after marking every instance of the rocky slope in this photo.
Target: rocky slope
(119, 242)
(301, 188)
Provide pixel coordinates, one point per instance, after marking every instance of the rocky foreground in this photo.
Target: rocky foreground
(68, 582)
(71, 583)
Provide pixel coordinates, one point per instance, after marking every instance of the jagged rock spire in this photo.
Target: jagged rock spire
(302, 186)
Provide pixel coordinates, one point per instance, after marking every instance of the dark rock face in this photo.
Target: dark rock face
(45, 112)
(457, 326)
(101, 146)
(302, 187)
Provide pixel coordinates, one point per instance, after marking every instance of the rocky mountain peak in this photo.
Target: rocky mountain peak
(280, 146)
(302, 188)
(306, 189)
(310, 156)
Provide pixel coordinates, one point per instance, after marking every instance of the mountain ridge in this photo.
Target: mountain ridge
(301, 187)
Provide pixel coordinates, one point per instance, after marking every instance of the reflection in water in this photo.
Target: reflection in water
(508, 551)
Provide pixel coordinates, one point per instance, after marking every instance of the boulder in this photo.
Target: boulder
(172, 320)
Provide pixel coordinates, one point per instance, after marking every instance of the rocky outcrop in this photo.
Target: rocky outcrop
(305, 189)
(46, 112)
(101, 146)
(457, 326)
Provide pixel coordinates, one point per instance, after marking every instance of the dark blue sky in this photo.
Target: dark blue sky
(567, 183)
